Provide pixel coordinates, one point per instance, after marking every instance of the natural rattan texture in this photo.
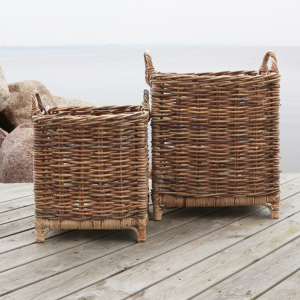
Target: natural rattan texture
(91, 167)
(215, 137)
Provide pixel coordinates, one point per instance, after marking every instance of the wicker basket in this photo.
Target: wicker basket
(215, 138)
(91, 167)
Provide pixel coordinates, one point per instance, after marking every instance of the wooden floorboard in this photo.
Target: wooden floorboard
(191, 253)
(15, 227)
(16, 193)
(286, 177)
(287, 289)
(257, 278)
(16, 214)
(88, 252)
(12, 187)
(207, 272)
(135, 279)
(16, 203)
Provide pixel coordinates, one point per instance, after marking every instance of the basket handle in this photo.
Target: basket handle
(149, 67)
(37, 109)
(145, 104)
(264, 66)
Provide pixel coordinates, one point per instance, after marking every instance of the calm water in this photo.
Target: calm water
(116, 76)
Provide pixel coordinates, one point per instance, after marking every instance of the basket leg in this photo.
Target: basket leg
(140, 233)
(275, 214)
(141, 238)
(157, 208)
(275, 210)
(40, 232)
(157, 212)
(274, 207)
(141, 230)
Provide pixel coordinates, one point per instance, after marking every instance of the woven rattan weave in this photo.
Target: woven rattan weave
(215, 138)
(91, 167)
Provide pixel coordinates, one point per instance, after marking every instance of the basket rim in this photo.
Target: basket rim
(263, 72)
(107, 112)
(118, 116)
(219, 75)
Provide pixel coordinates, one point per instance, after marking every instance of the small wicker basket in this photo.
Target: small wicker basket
(91, 167)
(215, 138)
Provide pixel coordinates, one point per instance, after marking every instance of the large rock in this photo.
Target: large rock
(66, 102)
(18, 108)
(16, 155)
(3, 135)
(4, 92)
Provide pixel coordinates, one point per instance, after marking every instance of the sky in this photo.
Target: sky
(196, 22)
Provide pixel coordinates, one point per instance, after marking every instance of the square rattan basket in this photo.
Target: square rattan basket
(91, 167)
(215, 138)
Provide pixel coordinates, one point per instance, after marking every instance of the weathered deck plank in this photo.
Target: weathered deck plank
(25, 190)
(205, 274)
(194, 244)
(16, 214)
(259, 277)
(159, 268)
(91, 250)
(16, 203)
(286, 177)
(13, 187)
(18, 226)
(126, 258)
(287, 289)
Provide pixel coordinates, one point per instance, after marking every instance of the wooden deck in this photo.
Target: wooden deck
(203, 253)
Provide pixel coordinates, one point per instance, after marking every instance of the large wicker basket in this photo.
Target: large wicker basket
(215, 138)
(91, 167)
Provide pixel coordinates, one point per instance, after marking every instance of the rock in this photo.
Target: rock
(65, 102)
(4, 92)
(16, 155)
(3, 135)
(18, 108)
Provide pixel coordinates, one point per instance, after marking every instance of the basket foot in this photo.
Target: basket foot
(40, 232)
(275, 214)
(141, 238)
(158, 212)
(40, 237)
(274, 211)
(274, 207)
(158, 209)
(141, 230)
(140, 234)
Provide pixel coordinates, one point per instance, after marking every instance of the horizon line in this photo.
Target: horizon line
(45, 47)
